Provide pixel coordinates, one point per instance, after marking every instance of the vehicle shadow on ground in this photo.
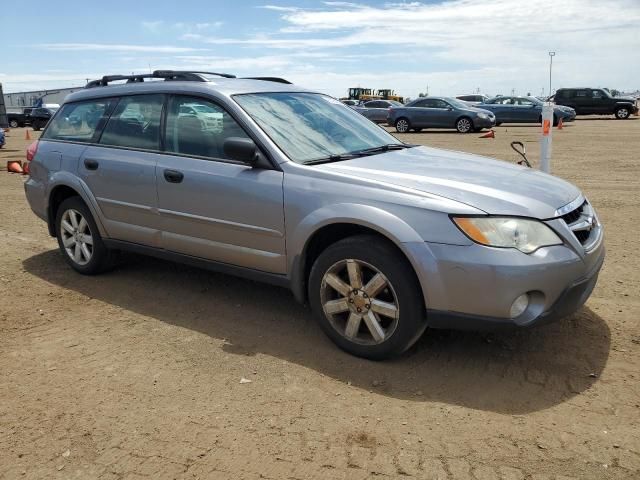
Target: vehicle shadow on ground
(514, 373)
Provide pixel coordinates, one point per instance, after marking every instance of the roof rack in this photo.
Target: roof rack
(167, 75)
(269, 79)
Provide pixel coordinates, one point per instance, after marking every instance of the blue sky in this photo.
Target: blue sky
(451, 47)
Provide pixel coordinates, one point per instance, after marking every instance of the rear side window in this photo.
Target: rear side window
(78, 122)
(135, 123)
(199, 127)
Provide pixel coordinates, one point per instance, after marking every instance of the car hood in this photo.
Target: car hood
(624, 99)
(493, 186)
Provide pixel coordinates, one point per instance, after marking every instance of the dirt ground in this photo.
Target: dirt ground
(136, 373)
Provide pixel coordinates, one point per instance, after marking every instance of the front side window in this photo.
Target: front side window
(199, 127)
(311, 126)
(78, 122)
(135, 123)
(596, 93)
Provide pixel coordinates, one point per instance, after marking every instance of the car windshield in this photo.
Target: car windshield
(535, 100)
(309, 126)
(456, 103)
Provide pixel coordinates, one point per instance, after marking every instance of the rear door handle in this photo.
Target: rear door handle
(173, 176)
(91, 164)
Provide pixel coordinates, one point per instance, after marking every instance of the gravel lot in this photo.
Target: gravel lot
(136, 373)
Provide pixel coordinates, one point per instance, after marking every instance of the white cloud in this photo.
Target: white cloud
(115, 48)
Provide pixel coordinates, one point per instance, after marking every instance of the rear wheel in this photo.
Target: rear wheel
(622, 113)
(79, 239)
(464, 125)
(14, 124)
(366, 298)
(402, 125)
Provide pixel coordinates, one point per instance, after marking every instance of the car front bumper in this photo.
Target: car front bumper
(484, 122)
(473, 287)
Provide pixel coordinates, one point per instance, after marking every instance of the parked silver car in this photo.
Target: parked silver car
(440, 112)
(381, 238)
(377, 110)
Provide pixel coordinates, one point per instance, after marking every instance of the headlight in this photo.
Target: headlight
(483, 115)
(525, 235)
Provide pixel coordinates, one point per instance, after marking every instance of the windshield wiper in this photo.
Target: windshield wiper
(359, 153)
(333, 158)
(383, 148)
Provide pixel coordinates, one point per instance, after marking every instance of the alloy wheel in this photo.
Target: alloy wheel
(464, 125)
(623, 113)
(402, 126)
(359, 302)
(76, 237)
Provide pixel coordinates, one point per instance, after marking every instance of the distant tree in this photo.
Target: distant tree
(423, 94)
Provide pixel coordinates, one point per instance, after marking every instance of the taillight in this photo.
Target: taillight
(31, 151)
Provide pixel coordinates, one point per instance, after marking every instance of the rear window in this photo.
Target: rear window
(77, 122)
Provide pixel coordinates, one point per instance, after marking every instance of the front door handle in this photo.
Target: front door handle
(173, 176)
(91, 164)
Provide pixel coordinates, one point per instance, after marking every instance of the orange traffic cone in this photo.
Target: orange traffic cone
(27, 136)
(560, 124)
(489, 134)
(14, 166)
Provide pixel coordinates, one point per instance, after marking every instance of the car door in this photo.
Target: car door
(600, 102)
(528, 111)
(447, 113)
(428, 114)
(210, 206)
(120, 169)
(582, 101)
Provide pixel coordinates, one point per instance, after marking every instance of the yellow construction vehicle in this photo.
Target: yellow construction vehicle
(359, 93)
(388, 94)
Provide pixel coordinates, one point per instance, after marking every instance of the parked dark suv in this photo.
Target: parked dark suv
(596, 101)
(41, 116)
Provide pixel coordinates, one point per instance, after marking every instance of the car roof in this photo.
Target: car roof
(223, 86)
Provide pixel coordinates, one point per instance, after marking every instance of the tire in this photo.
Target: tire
(395, 314)
(75, 233)
(14, 124)
(464, 125)
(622, 113)
(403, 125)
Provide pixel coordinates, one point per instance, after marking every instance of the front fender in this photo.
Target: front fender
(64, 178)
(376, 219)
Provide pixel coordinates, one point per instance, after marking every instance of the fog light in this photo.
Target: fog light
(519, 305)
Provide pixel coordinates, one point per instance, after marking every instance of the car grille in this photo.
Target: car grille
(582, 222)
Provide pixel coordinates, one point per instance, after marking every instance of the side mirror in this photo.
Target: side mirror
(243, 150)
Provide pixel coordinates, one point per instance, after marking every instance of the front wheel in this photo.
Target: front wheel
(622, 113)
(79, 239)
(402, 125)
(464, 125)
(366, 297)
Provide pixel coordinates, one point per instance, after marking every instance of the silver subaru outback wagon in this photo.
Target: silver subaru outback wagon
(262, 179)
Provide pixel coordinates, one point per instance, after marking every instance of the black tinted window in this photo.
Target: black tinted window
(199, 127)
(581, 93)
(78, 122)
(135, 123)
